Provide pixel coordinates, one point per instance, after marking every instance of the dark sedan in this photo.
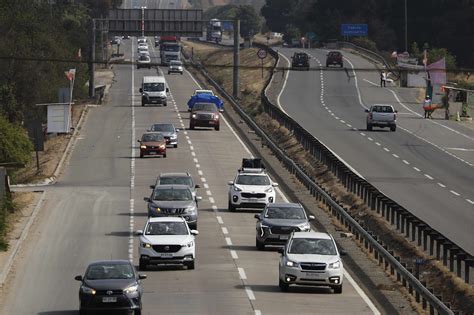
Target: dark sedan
(152, 143)
(204, 115)
(277, 221)
(110, 285)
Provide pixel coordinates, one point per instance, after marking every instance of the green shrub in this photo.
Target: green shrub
(15, 146)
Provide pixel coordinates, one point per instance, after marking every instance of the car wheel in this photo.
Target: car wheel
(168, 72)
(165, 104)
(231, 207)
(175, 146)
(164, 155)
(338, 289)
(191, 126)
(142, 265)
(283, 286)
(259, 245)
(137, 312)
(217, 127)
(181, 73)
(143, 104)
(393, 128)
(82, 312)
(327, 65)
(191, 265)
(369, 127)
(141, 155)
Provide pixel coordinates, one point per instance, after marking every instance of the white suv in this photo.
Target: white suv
(251, 188)
(311, 258)
(167, 241)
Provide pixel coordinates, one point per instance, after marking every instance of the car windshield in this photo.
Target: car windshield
(154, 87)
(252, 180)
(172, 194)
(166, 228)
(162, 127)
(174, 48)
(152, 137)
(204, 92)
(382, 109)
(176, 180)
(312, 246)
(208, 107)
(143, 57)
(289, 213)
(109, 271)
(176, 63)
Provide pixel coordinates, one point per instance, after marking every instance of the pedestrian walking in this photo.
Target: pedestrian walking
(383, 79)
(427, 107)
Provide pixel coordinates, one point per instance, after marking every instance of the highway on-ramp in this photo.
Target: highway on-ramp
(427, 166)
(96, 205)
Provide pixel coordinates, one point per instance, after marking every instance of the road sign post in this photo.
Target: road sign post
(262, 54)
(354, 30)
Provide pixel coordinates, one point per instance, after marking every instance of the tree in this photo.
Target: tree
(15, 146)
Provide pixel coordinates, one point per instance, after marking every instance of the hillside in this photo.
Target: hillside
(206, 4)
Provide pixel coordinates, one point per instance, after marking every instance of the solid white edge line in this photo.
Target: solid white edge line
(361, 293)
(132, 170)
(287, 74)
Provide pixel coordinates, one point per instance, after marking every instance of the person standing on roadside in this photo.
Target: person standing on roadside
(427, 107)
(383, 78)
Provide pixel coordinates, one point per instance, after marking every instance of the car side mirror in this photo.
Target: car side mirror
(138, 140)
(140, 90)
(141, 277)
(197, 186)
(275, 184)
(167, 90)
(311, 218)
(147, 199)
(342, 253)
(194, 232)
(396, 111)
(281, 250)
(78, 278)
(366, 110)
(230, 183)
(152, 186)
(139, 232)
(198, 198)
(257, 216)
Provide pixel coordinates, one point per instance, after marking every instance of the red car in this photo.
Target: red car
(152, 143)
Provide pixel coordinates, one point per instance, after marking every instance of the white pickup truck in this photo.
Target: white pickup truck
(380, 115)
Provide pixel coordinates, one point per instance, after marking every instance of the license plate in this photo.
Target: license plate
(109, 299)
(284, 237)
(313, 275)
(152, 153)
(253, 200)
(166, 255)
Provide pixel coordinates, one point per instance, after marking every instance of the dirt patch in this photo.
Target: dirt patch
(218, 63)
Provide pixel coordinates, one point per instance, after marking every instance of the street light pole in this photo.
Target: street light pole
(406, 26)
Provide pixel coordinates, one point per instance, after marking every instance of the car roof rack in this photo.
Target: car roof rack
(252, 165)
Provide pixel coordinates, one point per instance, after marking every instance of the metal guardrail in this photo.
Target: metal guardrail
(428, 298)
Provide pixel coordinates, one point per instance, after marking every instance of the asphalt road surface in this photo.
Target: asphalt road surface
(92, 211)
(426, 165)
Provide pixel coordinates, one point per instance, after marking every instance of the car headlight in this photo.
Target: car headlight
(190, 244)
(262, 229)
(191, 209)
(143, 147)
(335, 265)
(146, 245)
(304, 227)
(270, 189)
(237, 188)
(145, 94)
(173, 136)
(290, 263)
(162, 146)
(194, 116)
(87, 290)
(131, 289)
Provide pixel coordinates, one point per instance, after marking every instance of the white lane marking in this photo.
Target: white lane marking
(287, 74)
(406, 162)
(470, 201)
(189, 142)
(219, 219)
(206, 186)
(203, 179)
(442, 185)
(349, 125)
(416, 169)
(242, 274)
(342, 121)
(455, 193)
(460, 149)
(208, 192)
(198, 166)
(185, 132)
(200, 172)
(228, 241)
(377, 143)
(249, 292)
(395, 156)
(428, 176)
(386, 149)
(195, 160)
(258, 312)
(370, 139)
(282, 196)
(366, 299)
(234, 255)
(224, 230)
(211, 200)
(191, 147)
(132, 173)
(193, 153)
(214, 207)
(362, 134)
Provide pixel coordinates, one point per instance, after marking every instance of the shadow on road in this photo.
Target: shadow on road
(293, 289)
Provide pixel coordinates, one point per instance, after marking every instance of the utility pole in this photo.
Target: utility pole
(235, 87)
(406, 26)
(91, 61)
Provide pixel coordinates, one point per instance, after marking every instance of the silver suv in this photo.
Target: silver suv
(173, 200)
(168, 131)
(311, 258)
(277, 221)
(177, 179)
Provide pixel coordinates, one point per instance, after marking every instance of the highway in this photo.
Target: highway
(426, 165)
(97, 204)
